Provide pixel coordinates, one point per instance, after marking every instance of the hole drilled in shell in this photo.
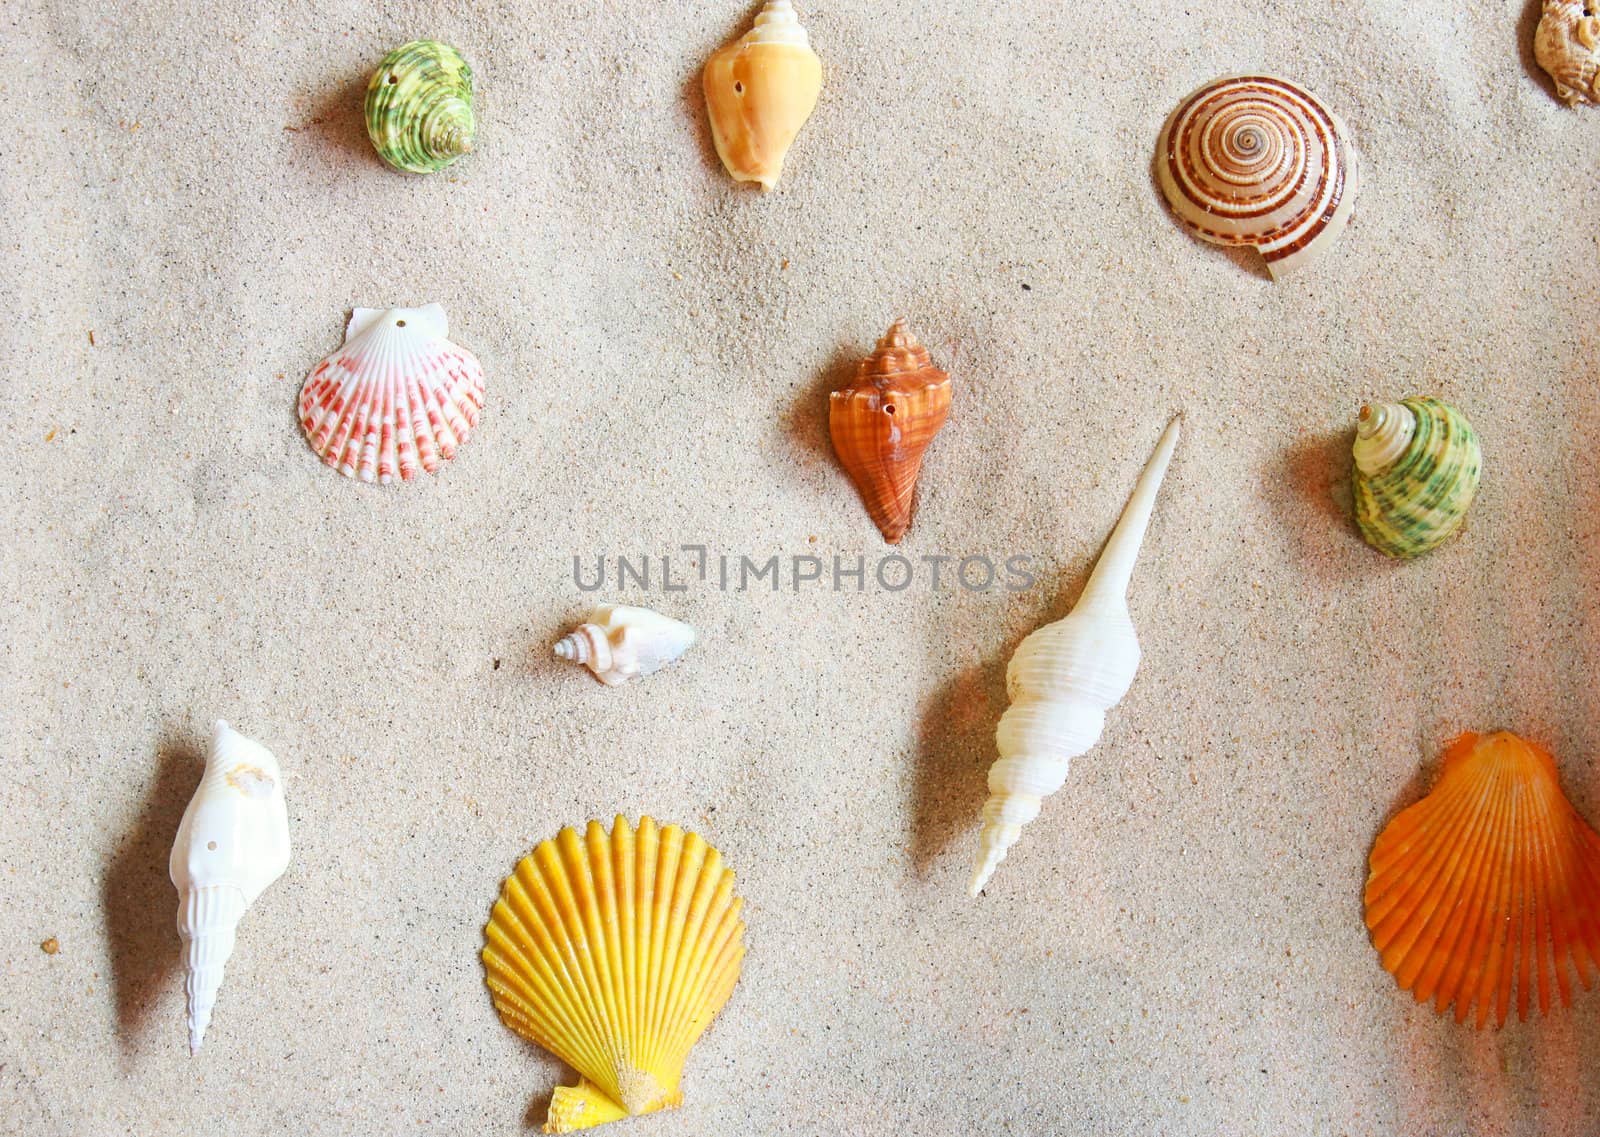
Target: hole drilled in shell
(738, 88)
(394, 79)
(889, 409)
(212, 845)
(399, 323)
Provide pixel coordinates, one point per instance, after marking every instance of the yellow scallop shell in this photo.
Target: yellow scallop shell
(614, 951)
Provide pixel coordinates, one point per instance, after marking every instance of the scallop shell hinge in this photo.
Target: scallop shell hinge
(614, 951)
(1260, 162)
(397, 397)
(1489, 886)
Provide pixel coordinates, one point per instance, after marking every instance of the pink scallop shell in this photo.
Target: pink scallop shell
(396, 397)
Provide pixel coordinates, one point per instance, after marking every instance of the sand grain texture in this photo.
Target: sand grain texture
(1176, 945)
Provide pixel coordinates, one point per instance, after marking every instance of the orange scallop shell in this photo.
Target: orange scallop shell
(1489, 882)
(883, 421)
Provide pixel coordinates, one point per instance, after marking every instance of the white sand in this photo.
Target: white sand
(1176, 947)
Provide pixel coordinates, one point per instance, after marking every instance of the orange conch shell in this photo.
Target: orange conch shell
(883, 421)
(1491, 880)
(760, 89)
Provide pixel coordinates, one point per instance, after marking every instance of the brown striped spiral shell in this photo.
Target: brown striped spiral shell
(1258, 161)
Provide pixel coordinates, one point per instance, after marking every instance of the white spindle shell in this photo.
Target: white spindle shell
(232, 843)
(1064, 678)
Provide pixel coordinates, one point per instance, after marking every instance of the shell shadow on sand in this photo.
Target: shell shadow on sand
(805, 424)
(955, 746)
(539, 1105)
(139, 901)
(1308, 490)
(338, 122)
(1527, 25)
(692, 102)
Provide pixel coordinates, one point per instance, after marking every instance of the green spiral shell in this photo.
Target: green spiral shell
(1421, 498)
(419, 107)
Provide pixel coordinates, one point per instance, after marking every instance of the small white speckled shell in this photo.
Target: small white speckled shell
(619, 643)
(1567, 45)
(396, 397)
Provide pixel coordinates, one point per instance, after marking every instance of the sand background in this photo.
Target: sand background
(1176, 947)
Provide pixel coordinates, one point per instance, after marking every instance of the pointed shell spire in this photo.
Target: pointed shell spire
(619, 643)
(1065, 677)
(232, 843)
(882, 423)
(419, 107)
(760, 89)
(1417, 466)
(1382, 434)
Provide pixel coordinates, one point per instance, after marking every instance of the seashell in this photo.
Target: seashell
(1490, 881)
(419, 107)
(760, 89)
(614, 952)
(1258, 161)
(1567, 45)
(396, 396)
(1417, 464)
(883, 421)
(232, 843)
(619, 643)
(1064, 678)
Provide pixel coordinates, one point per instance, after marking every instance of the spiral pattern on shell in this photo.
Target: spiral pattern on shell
(1418, 499)
(882, 423)
(419, 107)
(1258, 161)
